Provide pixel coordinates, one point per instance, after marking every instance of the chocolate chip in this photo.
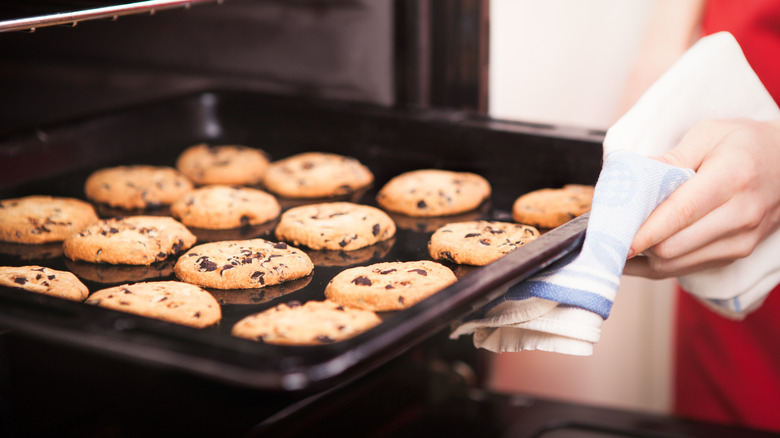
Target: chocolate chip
(258, 277)
(343, 243)
(225, 268)
(389, 286)
(387, 271)
(447, 255)
(375, 230)
(20, 280)
(484, 242)
(422, 204)
(422, 272)
(362, 281)
(472, 235)
(400, 299)
(206, 265)
(280, 245)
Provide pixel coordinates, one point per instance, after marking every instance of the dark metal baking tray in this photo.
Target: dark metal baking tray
(514, 157)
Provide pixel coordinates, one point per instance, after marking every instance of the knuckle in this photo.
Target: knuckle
(751, 217)
(744, 248)
(686, 214)
(663, 251)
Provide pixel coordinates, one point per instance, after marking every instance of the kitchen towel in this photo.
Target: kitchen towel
(562, 309)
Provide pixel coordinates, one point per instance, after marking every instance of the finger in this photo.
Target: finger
(693, 200)
(686, 205)
(718, 254)
(722, 222)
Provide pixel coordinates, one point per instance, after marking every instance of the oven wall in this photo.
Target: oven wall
(335, 50)
(566, 62)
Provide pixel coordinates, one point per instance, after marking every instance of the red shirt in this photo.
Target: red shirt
(729, 371)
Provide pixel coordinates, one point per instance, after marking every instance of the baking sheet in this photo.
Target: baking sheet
(514, 157)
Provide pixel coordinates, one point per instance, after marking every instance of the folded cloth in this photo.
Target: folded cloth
(562, 308)
(570, 300)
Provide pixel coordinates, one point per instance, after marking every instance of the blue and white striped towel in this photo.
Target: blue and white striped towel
(629, 188)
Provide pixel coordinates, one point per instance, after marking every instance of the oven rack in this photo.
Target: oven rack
(30, 16)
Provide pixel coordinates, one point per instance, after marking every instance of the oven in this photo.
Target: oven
(400, 85)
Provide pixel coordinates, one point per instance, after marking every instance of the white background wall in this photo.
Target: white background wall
(562, 60)
(566, 62)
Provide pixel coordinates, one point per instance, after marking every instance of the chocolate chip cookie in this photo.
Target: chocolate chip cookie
(549, 208)
(478, 242)
(335, 225)
(313, 323)
(316, 175)
(43, 280)
(390, 285)
(137, 186)
(171, 301)
(217, 207)
(242, 264)
(223, 164)
(41, 219)
(433, 192)
(133, 240)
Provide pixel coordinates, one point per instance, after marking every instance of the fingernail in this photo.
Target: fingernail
(631, 253)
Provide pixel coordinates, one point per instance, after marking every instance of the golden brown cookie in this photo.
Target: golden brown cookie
(223, 164)
(316, 175)
(218, 207)
(313, 323)
(478, 242)
(171, 301)
(390, 285)
(136, 187)
(432, 192)
(133, 240)
(242, 264)
(335, 225)
(43, 280)
(42, 219)
(549, 208)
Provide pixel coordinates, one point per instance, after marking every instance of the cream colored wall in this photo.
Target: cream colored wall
(566, 62)
(562, 61)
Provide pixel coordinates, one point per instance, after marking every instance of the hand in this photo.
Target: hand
(722, 212)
